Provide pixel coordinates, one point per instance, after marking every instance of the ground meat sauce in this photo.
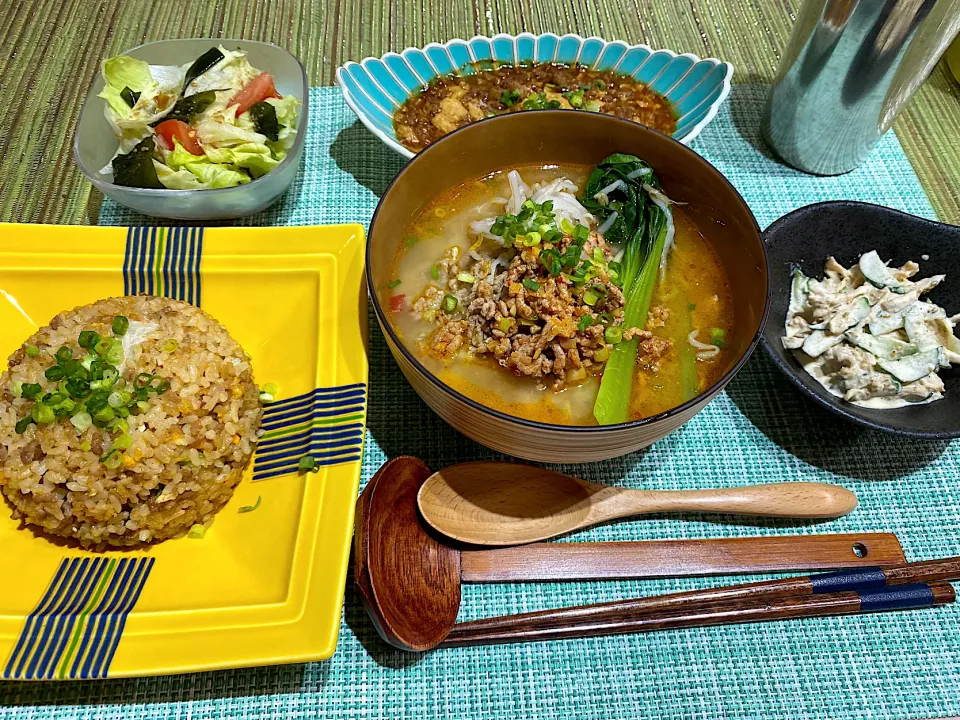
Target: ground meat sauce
(452, 101)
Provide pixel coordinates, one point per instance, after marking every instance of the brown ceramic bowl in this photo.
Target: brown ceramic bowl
(581, 138)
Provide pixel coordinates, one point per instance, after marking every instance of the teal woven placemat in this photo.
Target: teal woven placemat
(759, 430)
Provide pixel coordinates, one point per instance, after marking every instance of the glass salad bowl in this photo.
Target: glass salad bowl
(95, 144)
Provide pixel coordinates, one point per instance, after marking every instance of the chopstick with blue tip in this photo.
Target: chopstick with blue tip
(869, 600)
(866, 579)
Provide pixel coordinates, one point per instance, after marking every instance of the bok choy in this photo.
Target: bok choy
(624, 188)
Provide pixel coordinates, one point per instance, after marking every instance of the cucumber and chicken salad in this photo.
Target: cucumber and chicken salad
(867, 336)
(215, 122)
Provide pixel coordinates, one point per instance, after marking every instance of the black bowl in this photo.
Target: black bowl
(806, 237)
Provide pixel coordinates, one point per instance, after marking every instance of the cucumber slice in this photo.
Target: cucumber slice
(884, 348)
(885, 322)
(919, 332)
(913, 367)
(876, 271)
(799, 289)
(818, 342)
(845, 319)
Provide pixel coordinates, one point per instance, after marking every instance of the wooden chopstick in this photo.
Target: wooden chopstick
(757, 592)
(830, 604)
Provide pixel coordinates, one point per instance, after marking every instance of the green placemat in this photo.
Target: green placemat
(759, 430)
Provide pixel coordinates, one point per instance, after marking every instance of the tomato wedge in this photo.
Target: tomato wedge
(183, 133)
(257, 90)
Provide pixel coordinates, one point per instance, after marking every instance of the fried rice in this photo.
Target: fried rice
(188, 446)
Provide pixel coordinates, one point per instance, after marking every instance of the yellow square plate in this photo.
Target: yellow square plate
(261, 587)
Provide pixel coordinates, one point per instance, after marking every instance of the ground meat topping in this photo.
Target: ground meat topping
(519, 315)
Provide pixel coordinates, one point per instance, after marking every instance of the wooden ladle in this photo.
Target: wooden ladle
(410, 581)
(496, 503)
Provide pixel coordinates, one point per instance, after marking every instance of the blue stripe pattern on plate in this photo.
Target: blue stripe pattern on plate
(164, 262)
(75, 629)
(326, 424)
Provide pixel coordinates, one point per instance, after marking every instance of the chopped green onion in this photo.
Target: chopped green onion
(592, 106)
(30, 390)
(271, 388)
(550, 259)
(120, 325)
(81, 421)
(566, 226)
(449, 303)
(251, 508)
(115, 400)
(693, 306)
(718, 336)
(113, 460)
(434, 272)
(104, 414)
(505, 324)
(532, 239)
(23, 424)
(85, 446)
(581, 233)
(123, 442)
(196, 532)
(601, 355)
(585, 322)
(613, 334)
(41, 414)
(532, 285)
(115, 353)
(307, 464)
(55, 373)
(411, 241)
(591, 296)
(510, 97)
(267, 398)
(32, 351)
(170, 346)
(77, 387)
(393, 283)
(88, 339)
(576, 99)
(466, 278)
(600, 84)
(64, 354)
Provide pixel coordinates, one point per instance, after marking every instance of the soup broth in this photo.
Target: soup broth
(692, 294)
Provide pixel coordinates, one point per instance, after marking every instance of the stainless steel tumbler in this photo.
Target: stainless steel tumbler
(849, 69)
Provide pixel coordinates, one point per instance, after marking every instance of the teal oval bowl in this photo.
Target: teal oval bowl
(375, 87)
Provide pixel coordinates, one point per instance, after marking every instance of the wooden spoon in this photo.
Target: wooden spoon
(410, 581)
(493, 503)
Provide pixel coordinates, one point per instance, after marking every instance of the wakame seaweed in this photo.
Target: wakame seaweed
(186, 107)
(129, 96)
(135, 169)
(265, 121)
(203, 63)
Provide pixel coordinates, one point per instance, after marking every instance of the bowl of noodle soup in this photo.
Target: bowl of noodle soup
(565, 287)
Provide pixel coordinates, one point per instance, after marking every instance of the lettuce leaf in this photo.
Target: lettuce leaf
(213, 175)
(121, 72)
(224, 134)
(255, 157)
(201, 175)
(287, 114)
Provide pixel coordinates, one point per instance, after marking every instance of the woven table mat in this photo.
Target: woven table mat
(759, 430)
